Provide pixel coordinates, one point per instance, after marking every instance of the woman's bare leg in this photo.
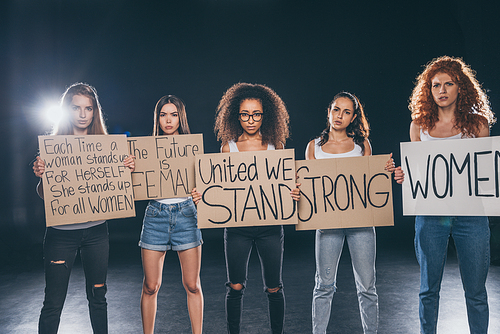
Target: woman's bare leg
(152, 264)
(190, 260)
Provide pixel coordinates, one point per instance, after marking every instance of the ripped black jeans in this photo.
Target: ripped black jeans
(60, 248)
(238, 243)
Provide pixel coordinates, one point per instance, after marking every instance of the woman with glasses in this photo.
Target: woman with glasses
(252, 117)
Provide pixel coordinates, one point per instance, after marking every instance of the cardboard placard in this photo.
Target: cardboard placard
(85, 179)
(452, 177)
(164, 165)
(344, 192)
(246, 188)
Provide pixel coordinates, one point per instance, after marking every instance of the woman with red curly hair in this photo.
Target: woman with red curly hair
(448, 103)
(252, 117)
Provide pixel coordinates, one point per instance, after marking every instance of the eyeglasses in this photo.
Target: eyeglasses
(245, 117)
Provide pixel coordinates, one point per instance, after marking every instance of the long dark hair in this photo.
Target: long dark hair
(181, 110)
(358, 130)
(65, 127)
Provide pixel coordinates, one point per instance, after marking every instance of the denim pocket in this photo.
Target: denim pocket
(151, 211)
(189, 210)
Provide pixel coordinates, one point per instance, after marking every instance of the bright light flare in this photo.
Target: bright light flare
(53, 113)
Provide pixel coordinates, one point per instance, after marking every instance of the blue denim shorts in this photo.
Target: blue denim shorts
(170, 226)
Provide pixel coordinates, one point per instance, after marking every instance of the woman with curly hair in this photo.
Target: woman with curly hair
(252, 117)
(448, 103)
(346, 135)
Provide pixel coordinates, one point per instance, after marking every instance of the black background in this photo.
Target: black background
(134, 52)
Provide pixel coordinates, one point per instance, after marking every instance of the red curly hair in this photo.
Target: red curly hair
(473, 108)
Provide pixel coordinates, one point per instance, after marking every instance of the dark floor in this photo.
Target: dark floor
(22, 283)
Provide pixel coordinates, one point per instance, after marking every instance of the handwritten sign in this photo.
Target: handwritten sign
(344, 192)
(85, 179)
(246, 188)
(164, 165)
(453, 177)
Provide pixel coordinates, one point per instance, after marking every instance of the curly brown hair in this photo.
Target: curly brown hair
(473, 108)
(358, 130)
(275, 118)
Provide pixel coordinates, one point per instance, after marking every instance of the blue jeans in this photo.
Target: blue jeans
(238, 243)
(170, 226)
(472, 240)
(62, 246)
(362, 248)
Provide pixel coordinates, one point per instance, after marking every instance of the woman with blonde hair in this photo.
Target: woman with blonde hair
(82, 115)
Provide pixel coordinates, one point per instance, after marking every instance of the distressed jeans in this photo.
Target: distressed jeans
(362, 248)
(471, 236)
(62, 246)
(238, 244)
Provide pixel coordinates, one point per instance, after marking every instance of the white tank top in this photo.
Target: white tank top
(320, 154)
(234, 148)
(425, 136)
(173, 200)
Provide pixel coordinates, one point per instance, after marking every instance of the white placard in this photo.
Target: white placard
(458, 177)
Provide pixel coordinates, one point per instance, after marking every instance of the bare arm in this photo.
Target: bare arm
(484, 130)
(399, 174)
(368, 147)
(39, 189)
(196, 196)
(225, 148)
(309, 156)
(39, 169)
(390, 166)
(130, 162)
(295, 193)
(310, 151)
(414, 132)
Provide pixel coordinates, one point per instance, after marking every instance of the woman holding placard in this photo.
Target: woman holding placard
(82, 116)
(171, 224)
(252, 117)
(346, 135)
(448, 103)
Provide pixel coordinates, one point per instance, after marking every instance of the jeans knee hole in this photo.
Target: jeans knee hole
(99, 288)
(233, 285)
(327, 287)
(59, 263)
(274, 290)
